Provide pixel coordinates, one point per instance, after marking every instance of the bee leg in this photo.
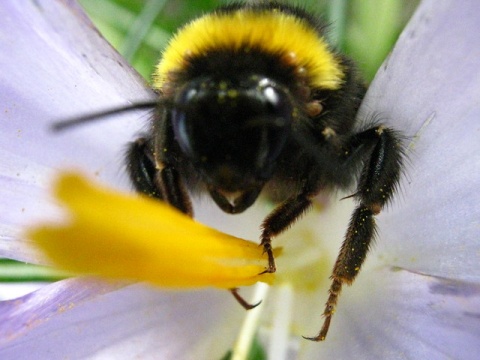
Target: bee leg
(378, 181)
(156, 179)
(141, 168)
(246, 305)
(279, 220)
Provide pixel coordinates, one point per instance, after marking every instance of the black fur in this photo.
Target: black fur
(236, 147)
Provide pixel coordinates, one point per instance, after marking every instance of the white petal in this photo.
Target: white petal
(429, 88)
(55, 65)
(88, 319)
(396, 314)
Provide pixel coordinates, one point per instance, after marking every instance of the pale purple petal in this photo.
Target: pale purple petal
(55, 65)
(21, 315)
(90, 319)
(395, 314)
(429, 88)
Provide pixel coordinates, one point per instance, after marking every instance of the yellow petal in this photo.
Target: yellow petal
(133, 237)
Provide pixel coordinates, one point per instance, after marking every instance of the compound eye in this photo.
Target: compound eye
(272, 124)
(179, 119)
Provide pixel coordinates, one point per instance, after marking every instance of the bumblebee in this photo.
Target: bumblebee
(254, 100)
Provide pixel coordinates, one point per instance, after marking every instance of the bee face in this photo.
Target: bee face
(232, 129)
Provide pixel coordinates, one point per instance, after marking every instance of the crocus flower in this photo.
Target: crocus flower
(418, 295)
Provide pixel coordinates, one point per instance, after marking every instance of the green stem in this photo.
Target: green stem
(13, 271)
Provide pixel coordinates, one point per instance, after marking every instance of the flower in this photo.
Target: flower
(418, 294)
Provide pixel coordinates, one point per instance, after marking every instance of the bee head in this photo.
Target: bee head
(233, 130)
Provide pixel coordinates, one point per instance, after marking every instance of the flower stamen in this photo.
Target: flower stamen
(134, 237)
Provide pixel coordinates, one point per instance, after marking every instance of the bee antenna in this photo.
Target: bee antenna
(80, 120)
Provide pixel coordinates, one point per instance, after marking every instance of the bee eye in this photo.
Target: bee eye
(179, 120)
(271, 125)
